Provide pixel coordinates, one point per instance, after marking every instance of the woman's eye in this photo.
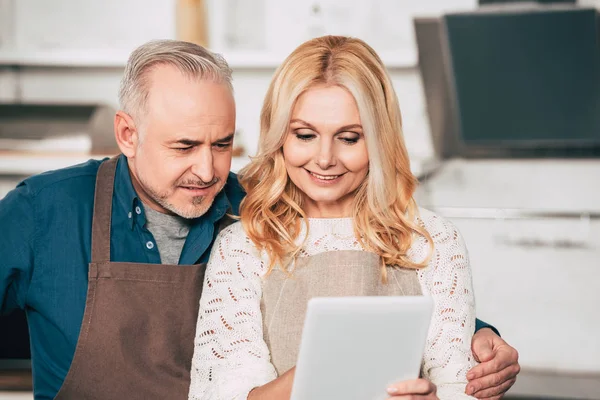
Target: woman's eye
(349, 140)
(305, 136)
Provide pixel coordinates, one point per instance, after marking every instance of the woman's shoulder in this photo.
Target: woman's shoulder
(445, 235)
(234, 249)
(439, 228)
(235, 229)
(234, 238)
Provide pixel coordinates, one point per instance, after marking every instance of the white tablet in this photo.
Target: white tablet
(355, 347)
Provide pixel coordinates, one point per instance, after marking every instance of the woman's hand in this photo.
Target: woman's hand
(420, 389)
(278, 389)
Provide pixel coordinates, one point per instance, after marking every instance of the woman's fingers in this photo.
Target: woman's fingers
(412, 387)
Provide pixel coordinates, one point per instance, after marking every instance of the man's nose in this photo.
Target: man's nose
(203, 166)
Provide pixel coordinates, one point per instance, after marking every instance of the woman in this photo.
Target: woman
(329, 212)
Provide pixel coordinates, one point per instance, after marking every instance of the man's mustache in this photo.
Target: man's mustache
(198, 183)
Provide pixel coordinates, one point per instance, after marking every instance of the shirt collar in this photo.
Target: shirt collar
(130, 205)
(125, 197)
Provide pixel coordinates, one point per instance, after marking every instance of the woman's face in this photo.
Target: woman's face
(325, 151)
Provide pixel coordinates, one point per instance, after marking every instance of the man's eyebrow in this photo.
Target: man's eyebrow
(187, 142)
(193, 142)
(226, 139)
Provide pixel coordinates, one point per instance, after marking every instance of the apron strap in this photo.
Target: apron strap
(103, 210)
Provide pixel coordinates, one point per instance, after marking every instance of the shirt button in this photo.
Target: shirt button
(149, 245)
(129, 215)
(138, 210)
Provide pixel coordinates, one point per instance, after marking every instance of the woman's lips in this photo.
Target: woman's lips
(324, 179)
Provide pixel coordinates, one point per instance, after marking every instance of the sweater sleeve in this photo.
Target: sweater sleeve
(230, 355)
(447, 279)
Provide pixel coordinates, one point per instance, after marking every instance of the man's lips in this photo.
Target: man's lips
(196, 189)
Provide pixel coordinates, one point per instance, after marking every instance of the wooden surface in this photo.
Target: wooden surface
(15, 380)
(191, 22)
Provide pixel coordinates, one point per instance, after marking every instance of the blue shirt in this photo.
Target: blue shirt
(45, 248)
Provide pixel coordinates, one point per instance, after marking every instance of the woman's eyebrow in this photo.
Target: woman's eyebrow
(341, 129)
(348, 127)
(303, 123)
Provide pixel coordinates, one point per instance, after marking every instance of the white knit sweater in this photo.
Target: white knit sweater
(231, 356)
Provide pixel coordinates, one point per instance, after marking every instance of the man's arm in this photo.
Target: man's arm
(479, 324)
(16, 247)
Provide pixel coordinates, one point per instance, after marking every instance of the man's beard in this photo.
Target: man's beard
(201, 204)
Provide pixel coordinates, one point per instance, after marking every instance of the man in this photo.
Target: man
(107, 258)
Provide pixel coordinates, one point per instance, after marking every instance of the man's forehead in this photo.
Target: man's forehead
(166, 84)
(192, 106)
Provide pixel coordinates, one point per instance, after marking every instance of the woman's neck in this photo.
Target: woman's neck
(321, 209)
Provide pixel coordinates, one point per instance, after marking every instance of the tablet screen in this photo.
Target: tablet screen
(355, 347)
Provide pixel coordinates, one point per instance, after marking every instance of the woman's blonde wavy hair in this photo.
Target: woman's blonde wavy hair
(384, 210)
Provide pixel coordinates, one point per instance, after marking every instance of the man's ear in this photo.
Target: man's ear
(126, 134)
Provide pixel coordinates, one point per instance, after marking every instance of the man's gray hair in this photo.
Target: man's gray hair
(191, 59)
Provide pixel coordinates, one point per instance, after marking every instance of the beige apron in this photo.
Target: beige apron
(137, 334)
(330, 274)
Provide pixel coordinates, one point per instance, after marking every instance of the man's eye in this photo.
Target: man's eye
(223, 145)
(182, 149)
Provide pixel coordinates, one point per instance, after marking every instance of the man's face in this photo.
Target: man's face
(185, 137)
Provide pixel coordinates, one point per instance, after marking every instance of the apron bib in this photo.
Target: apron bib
(137, 335)
(330, 274)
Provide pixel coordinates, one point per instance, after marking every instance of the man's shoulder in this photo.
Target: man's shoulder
(235, 192)
(79, 179)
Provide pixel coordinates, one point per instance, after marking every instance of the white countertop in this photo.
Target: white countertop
(548, 184)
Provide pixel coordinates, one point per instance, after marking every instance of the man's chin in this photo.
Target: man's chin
(190, 206)
(191, 211)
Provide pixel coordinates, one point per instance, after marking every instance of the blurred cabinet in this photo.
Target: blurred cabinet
(6, 24)
(536, 279)
(80, 33)
(84, 25)
(260, 29)
(87, 25)
(8, 85)
(532, 229)
(70, 51)
(70, 86)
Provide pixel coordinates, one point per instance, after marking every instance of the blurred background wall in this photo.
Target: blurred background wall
(528, 205)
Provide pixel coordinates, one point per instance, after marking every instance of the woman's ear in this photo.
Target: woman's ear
(126, 134)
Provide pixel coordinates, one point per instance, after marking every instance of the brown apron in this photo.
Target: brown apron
(137, 334)
(330, 274)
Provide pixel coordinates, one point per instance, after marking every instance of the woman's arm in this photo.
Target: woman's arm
(278, 389)
(448, 355)
(230, 355)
